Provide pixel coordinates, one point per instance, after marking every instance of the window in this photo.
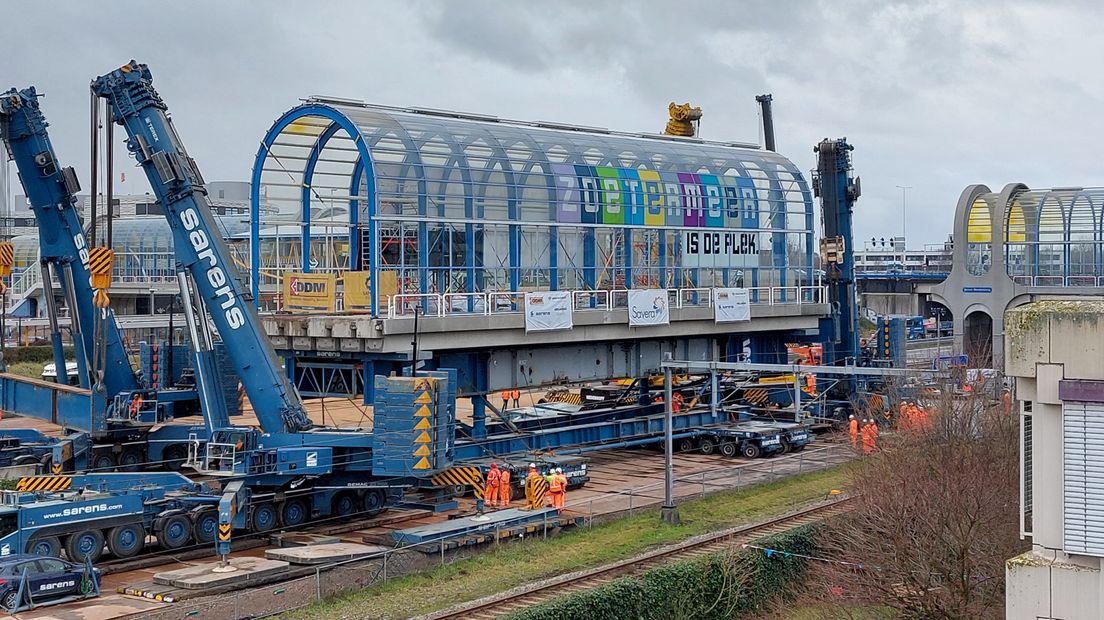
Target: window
(31, 568)
(148, 208)
(9, 522)
(50, 565)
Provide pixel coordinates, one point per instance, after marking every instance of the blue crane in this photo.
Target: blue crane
(838, 191)
(290, 469)
(51, 190)
(110, 430)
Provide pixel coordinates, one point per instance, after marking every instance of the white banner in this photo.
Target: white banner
(547, 311)
(649, 307)
(731, 304)
(720, 249)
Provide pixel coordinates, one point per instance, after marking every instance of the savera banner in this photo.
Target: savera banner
(649, 307)
(310, 291)
(548, 311)
(731, 305)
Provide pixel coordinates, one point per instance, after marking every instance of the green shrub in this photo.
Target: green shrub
(721, 586)
(37, 355)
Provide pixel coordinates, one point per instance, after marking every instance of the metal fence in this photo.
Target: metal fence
(322, 582)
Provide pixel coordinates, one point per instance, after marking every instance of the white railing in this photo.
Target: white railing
(505, 302)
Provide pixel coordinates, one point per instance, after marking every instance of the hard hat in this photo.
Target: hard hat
(851, 417)
(494, 465)
(559, 471)
(532, 465)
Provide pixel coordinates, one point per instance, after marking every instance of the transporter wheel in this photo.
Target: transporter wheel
(130, 459)
(87, 544)
(126, 541)
(751, 451)
(294, 513)
(205, 525)
(798, 448)
(727, 448)
(265, 517)
(47, 545)
(786, 446)
(174, 457)
(374, 502)
(346, 504)
(174, 531)
(707, 445)
(103, 462)
(685, 444)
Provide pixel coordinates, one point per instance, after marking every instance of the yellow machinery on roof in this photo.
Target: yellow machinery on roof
(683, 118)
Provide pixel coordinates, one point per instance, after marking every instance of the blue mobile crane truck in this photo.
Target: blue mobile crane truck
(104, 429)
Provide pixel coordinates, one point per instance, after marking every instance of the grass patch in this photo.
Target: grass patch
(26, 369)
(829, 612)
(523, 562)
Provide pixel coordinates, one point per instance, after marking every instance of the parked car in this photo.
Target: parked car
(47, 579)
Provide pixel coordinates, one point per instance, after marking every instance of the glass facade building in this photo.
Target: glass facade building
(436, 202)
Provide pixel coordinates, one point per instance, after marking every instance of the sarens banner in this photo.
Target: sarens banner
(547, 311)
(649, 307)
(731, 304)
(310, 291)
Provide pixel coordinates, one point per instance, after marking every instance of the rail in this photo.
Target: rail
(506, 302)
(1087, 281)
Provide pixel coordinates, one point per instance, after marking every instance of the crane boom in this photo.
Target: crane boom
(52, 191)
(199, 245)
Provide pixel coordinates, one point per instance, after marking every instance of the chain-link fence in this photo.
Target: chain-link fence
(333, 579)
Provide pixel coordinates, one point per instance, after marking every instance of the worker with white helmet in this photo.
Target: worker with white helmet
(558, 488)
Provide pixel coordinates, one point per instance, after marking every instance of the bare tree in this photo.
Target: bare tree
(934, 520)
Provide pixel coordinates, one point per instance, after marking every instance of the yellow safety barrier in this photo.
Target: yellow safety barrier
(100, 263)
(535, 489)
(462, 476)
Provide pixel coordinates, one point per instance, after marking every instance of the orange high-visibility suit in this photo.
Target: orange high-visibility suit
(869, 438)
(556, 488)
(504, 487)
(516, 394)
(563, 489)
(505, 399)
(854, 428)
(494, 477)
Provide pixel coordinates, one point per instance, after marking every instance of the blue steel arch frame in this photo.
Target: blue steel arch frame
(340, 121)
(774, 179)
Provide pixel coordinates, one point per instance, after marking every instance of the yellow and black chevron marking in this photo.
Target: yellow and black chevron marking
(224, 531)
(535, 489)
(44, 483)
(876, 402)
(570, 398)
(757, 396)
(7, 258)
(466, 476)
(57, 468)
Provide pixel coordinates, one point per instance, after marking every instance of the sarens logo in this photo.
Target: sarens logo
(223, 294)
(46, 587)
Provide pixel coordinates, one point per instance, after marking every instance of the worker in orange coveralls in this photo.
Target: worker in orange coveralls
(853, 426)
(504, 487)
(494, 479)
(869, 436)
(516, 394)
(505, 399)
(556, 488)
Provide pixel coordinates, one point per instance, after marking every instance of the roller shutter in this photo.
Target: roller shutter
(1083, 477)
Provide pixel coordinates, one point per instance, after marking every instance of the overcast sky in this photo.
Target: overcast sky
(933, 95)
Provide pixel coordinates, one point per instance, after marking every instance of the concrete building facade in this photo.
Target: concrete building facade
(1053, 352)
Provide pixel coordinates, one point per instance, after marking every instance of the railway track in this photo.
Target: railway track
(504, 604)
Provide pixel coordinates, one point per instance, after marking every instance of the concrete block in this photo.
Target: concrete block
(1075, 592)
(1046, 386)
(1027, 587)
(247, 571)
(323, 554)
(300, 539)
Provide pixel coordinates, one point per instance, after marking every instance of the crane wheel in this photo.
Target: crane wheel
(87, 544)
(205, 525)
(374, 502)
(173, 531)
(265, 517)
(126, 541)
(294, 512)
(345, 504)
(47, 545)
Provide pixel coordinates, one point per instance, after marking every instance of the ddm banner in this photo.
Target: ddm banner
(648, 307)
(731, 305)
(548, 311)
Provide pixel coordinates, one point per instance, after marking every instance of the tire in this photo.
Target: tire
(205, 525)
(264, 517)
(786, 447)
(11, 599)
(85, 544)
(346, 505)
(126, 541)
(130, 459)
(751, 451)
(25, 459)
(103, 462)
(375, 502)
(798, 448)
(294, 512)
(684, 445)
(174, 457)
(174, 531)
(46, 545)
(727, 448)
(707, 445)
